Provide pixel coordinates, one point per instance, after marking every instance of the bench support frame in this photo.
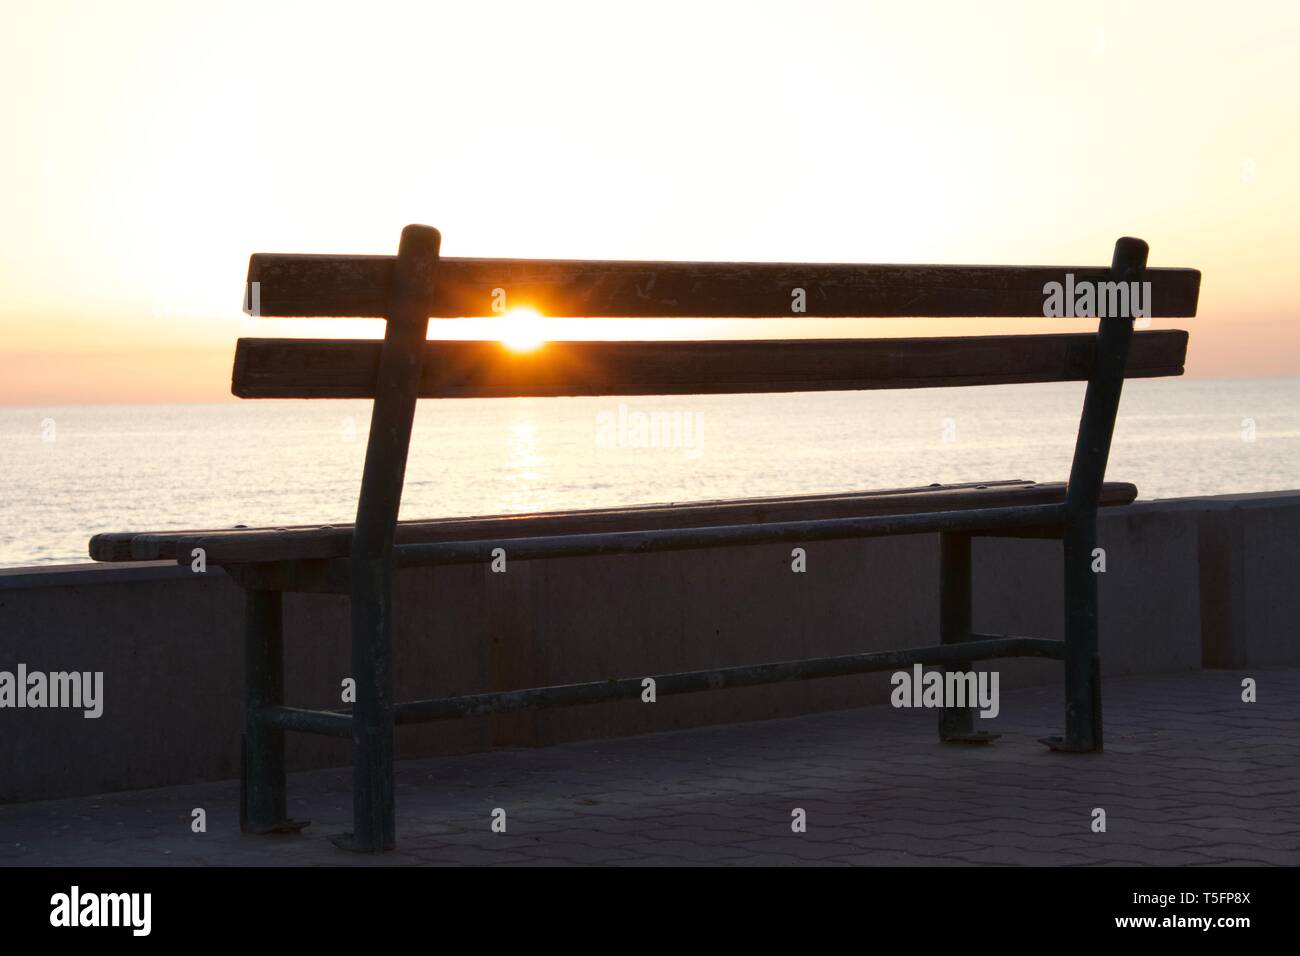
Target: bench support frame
(396, 391)
(369, 576)
(1083, 733)
(957, 724)
(263, 804)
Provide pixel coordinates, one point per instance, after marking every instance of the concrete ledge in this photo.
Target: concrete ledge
(168, 640)
(73, 575)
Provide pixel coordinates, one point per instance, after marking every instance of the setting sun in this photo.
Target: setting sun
(521, 330)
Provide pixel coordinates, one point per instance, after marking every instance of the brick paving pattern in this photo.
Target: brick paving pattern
(1191, 775)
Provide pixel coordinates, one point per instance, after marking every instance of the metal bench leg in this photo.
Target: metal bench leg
(397, 387)
(956, 724)
(1087, 472)
(373, 811)
(263, 800)
(1082, 655)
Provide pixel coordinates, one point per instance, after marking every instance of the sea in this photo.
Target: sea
(67, 473)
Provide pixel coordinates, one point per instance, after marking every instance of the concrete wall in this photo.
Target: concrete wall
(1250, 606)
(1187, 581)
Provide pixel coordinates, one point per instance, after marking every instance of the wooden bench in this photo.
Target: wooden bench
(417, 284)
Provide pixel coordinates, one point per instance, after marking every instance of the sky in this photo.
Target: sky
(151, 147)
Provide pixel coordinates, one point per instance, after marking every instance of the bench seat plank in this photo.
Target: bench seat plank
(332, 368)
(269, 545)
(161, 545)
(357, 286)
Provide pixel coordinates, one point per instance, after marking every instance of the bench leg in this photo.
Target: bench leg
(263, 799)
(397, 387)
(1087, 473)
(373, 812)
(1082, 655)
(956, 724)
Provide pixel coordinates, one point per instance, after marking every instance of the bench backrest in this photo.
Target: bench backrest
(360, 286)
(416, 285)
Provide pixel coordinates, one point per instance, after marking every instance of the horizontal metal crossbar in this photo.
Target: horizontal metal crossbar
(679, 539)
(328, 723)
(748, 675)
(979, 647)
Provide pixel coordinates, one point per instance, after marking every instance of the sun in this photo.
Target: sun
(521, 330)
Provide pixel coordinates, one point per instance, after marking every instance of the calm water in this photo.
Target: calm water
(66, 473)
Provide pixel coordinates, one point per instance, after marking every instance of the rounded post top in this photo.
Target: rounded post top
(1130, 257)
(419, 242)
(414, 273)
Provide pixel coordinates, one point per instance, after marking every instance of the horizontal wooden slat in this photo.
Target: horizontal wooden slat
(314, 285)
(328, 368)
(326, 543)
(155, 545)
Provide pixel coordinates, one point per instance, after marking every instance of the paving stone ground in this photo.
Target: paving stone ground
(1191, 775)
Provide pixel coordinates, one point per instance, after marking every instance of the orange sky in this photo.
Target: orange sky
(150, 147)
